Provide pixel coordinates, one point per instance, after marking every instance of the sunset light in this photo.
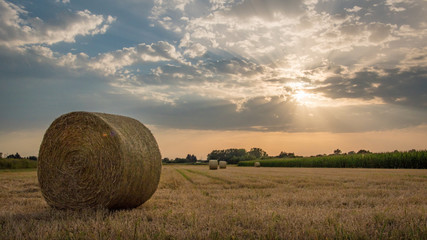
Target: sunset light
(213, 119)
(302, 97)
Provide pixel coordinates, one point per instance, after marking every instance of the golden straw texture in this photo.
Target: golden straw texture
(213, 164)
(98, 160)
(222, 164)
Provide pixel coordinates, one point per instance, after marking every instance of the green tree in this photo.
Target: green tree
(191, 158)
(179, 160)
(16, 156)
(231, 155)
(286, 155)
(337, 152)
(363, 151)
(257, 153)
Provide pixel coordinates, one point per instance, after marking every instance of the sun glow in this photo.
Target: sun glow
(300, 94)
(302, 97)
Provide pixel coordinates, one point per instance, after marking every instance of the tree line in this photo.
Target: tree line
(231, 156)
(189, 159)
(235, 155)
(18, 156)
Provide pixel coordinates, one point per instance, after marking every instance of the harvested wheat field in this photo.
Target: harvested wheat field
(193, 202)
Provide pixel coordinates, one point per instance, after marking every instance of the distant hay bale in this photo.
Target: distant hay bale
(98, 160)
(213, 164)
(257, 164)
(222, 164)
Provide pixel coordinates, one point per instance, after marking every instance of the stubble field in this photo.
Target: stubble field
(193, 202)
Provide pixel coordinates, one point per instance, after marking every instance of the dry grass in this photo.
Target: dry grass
(240, 203)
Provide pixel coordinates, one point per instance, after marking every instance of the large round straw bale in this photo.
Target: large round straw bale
(98, 160)
(257, 164)
(222, 164)
(213, 164)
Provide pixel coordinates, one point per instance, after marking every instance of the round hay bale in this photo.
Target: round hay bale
(257, 164)
(213, 164)
(222, 164)
(98, 160)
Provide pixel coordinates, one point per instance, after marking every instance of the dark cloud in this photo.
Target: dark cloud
(35, 90)
(196, 112)
(273, 113)
(379, 32)
(395, 86)
(372, 117)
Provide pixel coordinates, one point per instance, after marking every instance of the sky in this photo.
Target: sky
(284, 75)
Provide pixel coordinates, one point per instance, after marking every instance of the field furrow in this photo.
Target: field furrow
(193, 202)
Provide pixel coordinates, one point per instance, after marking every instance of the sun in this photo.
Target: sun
(302, 97)
(299, 94)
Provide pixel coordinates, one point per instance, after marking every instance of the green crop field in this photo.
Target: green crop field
(193, 202)
(10, 163)
(411, 159)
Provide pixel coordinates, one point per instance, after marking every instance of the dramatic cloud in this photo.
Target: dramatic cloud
(226, 65)
(35, 90)
(391, 85)
(111, 62)
(266, 68)
(17, 28)
(275, 114)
